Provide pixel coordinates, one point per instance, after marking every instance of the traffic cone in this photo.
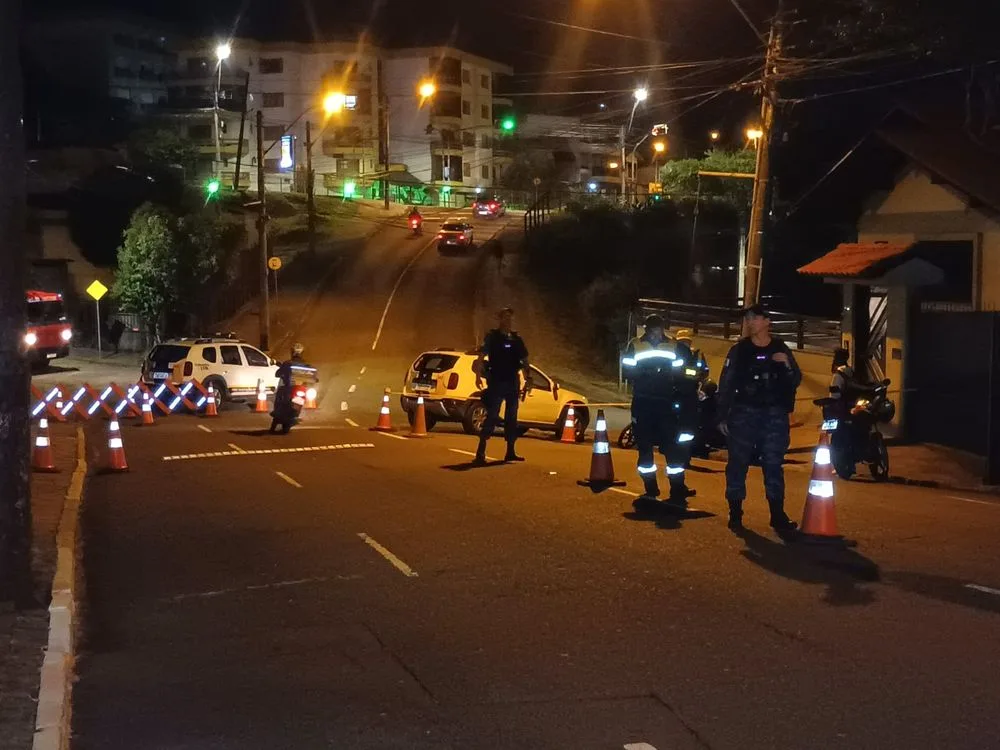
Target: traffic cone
(819, 519)
(384, 423)
(261, 407)
(116, 449)
(569, 427)
(147, 411)
(41, 456)
(211, 410)
(419, 426)
(602, 470)
(310, 399)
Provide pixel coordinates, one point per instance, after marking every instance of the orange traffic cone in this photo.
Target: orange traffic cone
(384, 423)
(569, 427)
(602, 470)
(419, 426)
(819, 519)
(211, 410)
(116, 449)
(310, 399)
(147, 411)
(261, 407)
(41, 456)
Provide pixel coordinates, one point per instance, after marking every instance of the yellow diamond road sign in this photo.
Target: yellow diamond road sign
(97, 290)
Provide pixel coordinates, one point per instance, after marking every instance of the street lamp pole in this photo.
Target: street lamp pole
(222, 53)
(265, 301)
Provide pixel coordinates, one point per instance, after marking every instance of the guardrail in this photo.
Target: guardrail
(726, 322)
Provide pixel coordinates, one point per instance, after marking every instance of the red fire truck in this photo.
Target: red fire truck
(49, 331)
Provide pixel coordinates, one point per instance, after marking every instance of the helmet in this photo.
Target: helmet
(653, 321)
(684, 334)
(297, 350)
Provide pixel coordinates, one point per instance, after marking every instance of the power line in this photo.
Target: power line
(588, 29)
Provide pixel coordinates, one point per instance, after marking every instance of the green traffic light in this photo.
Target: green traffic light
(212, 188)
(349, 189)
(508, 124)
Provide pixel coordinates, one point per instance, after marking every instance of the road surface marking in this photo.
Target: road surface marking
(395, 288)
(351, 422)
(260, 587)
(344, 406)
(267, 451)
(639, 746)
(398, 564)
(235, 447)
(620, 491)
(288, 479)
(470, 453)
(984, 589)
(389, 434)
(363, 369)
(203, 427)
(970, 500)
(353, 388)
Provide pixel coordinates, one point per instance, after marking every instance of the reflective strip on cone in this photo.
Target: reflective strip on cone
(602, 447)
(601, 426)
(822, 456)
(821, 488)
(41, 441)
(115, 442)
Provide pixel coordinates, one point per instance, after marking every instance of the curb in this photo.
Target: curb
(53, 717)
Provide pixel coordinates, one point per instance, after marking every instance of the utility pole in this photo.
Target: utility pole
(239, 143)
(265, 302)
(622, 166)
(758, 207)
(310, 187)
(383, 132)
(15, 432)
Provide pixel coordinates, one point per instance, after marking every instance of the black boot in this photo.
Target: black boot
(780, 521)
(511, 455)
(735, 516)
(647, 502)
(480, 459)
(679, 494)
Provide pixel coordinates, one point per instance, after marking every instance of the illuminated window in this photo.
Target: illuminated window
(350, 101)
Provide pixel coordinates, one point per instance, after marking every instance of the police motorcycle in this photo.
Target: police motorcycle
(295, 380)
(856, 437)
(708, 437)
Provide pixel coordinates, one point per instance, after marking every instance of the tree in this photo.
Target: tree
(15, 435)
(161, 149)
(146, 281)
(520, 174)
(680, 178)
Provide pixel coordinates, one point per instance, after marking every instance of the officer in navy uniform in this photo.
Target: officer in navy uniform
(756, 397)
(507, 357)
(664, 409)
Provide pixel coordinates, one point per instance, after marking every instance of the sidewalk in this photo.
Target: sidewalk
(24, 634)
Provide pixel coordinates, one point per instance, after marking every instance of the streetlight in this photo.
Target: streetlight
(427, 89)
(754, 135)
(714, 135)
(612, 165)
(659, 147)
(640, 95)
(222, 52)
(334, 102)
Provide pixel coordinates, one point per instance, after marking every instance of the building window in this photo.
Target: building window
(200, 131)
(485, 141)
(466, 107)
(467, 170)
(466, 75)
(484, 82)
(484, 171)
(273, 99)
(271, 165)
(351, 101)
(272, 133)
(468, 138)
(484, 111)
(271, 65)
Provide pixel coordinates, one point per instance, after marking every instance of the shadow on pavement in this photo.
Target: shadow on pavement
(839, 569)
(944, 589)
(469, 466)
(662, 517)
(55, 370)
(261, 432)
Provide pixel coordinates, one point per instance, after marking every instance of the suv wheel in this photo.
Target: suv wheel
(221, 391)
(475, 418)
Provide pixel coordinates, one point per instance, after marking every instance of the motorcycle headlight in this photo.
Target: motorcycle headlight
(30, 338)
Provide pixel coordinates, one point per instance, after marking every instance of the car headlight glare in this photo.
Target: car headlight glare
(67, 334)
(30, 338)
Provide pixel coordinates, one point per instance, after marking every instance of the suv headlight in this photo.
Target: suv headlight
(67, 334)
(30, 338)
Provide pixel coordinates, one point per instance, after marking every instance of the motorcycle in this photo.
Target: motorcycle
(708, 437)
(856, 437)
(287, 407)
(416, 225)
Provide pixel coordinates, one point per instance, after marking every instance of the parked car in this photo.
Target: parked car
(455, 234)
(232, 366)
(446, 379)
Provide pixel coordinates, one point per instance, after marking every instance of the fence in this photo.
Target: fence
(726, 322)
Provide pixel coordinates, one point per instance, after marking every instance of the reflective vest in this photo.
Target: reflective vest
(665, 370)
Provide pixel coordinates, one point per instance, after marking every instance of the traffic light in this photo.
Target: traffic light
(212, 188)
(508, 124)
(349, 189)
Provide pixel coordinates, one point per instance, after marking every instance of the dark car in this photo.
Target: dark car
(489, 208)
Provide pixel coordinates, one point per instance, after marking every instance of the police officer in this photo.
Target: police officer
(507, 357)
(756, 396)
(664, 409)
(686, 336)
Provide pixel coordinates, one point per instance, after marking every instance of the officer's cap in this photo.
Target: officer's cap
(684, 334)
(757, 311)
(654, 321)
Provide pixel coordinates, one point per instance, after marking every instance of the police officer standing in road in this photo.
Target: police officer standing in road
(664, 409)
(507, 357)
(756, 397)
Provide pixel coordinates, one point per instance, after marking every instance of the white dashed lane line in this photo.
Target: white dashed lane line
(363, 370)
(970, 500)
(203, 427)
(353, 388)
(398, 564)
(235, 447)
(288, 479)
(983, 589)
(269, 451)
(344, 406)
(351, 422)
(389, 434)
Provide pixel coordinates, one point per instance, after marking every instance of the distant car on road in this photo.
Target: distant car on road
(489, 208)
(232, 366)
(446, 379)
(455, 233)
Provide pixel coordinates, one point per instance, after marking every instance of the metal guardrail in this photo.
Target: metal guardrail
(807, 333)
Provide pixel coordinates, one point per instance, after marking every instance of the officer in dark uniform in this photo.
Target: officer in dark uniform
(664, 409)
(507, 357)
(756, 396)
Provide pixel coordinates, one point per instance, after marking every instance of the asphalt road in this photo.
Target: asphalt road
(339, 588)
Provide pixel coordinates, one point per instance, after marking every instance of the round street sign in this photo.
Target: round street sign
(274, 263)
(537, 181)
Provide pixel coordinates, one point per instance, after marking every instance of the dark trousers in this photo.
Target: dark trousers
(761, 432)
(658, 423)
(507, 395)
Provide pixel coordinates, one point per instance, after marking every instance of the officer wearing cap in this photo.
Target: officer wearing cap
(686, 336)
(664, 409)
(502, 357)
(756, 396)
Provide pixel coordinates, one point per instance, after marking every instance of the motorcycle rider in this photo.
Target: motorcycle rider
(756, 396)
(414, 216)
(664, 410)
(292, 372)
(843, 385)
